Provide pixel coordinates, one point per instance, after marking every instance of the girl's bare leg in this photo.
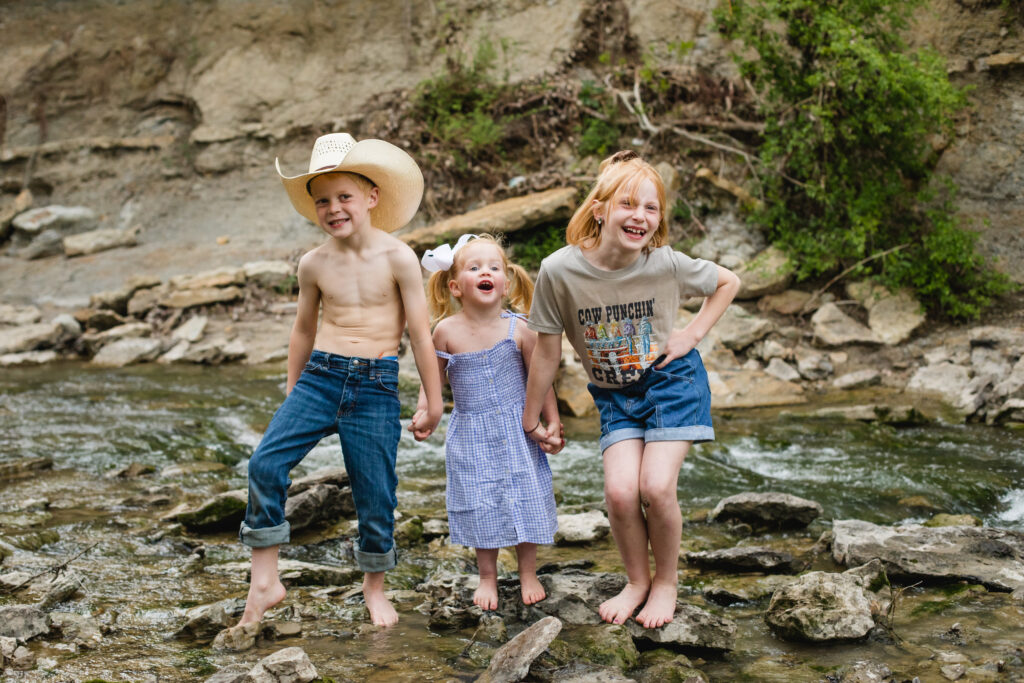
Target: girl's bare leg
(529, 586)
(486, 595)
(659, 476)
(265, 587)
(629, 528)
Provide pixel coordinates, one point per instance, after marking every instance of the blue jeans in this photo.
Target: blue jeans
(671, 404)
(357, 398)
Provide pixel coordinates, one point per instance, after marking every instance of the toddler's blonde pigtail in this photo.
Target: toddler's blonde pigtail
(439, 297)
(520, 290)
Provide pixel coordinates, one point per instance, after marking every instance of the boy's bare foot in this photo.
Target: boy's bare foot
(531, 589)
(486, 595)
(382, 612)
(259, 600)
(660, 607)
(616, 610)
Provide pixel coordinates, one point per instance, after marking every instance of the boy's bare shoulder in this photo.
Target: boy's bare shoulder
(399, 253)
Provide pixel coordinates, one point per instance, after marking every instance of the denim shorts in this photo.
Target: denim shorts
(670, 404)
(357, 399)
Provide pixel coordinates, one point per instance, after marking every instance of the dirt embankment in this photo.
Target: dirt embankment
(167, 117)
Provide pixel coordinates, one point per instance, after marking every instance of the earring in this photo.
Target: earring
(600, 222)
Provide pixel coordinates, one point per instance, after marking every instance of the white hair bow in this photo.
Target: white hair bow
(442, 257)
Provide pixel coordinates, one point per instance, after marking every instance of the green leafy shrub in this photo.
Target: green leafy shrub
(455, 106)
(849, 116)
(530, 248)
(597, 136)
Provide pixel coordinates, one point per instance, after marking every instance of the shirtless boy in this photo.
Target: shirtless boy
(343, 376)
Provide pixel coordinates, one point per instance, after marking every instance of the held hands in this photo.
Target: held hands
(423, 422)
(550, 437)
(680, 343)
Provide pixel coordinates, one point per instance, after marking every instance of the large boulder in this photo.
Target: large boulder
(821, 606)
(512, 661)
(769, 509)
(832, 327)
(991, 557)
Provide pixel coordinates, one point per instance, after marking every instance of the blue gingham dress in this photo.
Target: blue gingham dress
(499, 482)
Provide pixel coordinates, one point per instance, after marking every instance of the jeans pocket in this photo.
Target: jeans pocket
(388, 383)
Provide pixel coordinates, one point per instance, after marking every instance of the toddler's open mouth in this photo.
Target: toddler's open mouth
(485, 286)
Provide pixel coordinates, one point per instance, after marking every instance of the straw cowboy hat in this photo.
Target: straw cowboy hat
(388, 167)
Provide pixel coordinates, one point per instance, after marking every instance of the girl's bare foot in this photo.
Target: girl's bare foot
(660, 607)
(531, 588)
(616, 610)
(486, 595)
(259, 600)
(382, 612)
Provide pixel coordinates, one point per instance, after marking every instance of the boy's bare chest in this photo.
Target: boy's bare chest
(357, 283)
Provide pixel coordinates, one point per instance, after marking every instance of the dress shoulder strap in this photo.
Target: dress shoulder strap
(512, 316)
(443, 354)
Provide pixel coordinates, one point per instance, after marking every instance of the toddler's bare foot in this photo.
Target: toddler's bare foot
(259, 600)
(382, 612)
(486, 595)
(660, 607)
(531, 589)
(616, 610)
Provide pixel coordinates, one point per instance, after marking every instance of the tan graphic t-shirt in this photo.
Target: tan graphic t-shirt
(617, 320)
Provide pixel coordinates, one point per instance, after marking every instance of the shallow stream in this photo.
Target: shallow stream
(138, 584)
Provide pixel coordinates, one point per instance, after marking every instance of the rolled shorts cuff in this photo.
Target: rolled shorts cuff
(694, 433)
(375, 562)
(265, 537)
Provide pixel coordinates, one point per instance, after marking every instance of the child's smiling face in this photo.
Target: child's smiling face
(631, 221)
(480, 279)
(342, 203)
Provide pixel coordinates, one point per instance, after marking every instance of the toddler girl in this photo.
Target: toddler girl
(615, 291)
(499, 483)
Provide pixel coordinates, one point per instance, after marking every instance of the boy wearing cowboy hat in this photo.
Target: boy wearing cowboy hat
(343, 375)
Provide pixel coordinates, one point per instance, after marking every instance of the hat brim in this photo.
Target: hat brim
(391, 169)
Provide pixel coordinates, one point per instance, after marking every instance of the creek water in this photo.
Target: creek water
(91, 421)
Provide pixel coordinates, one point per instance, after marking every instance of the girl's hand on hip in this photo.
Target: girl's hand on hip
(680, 343)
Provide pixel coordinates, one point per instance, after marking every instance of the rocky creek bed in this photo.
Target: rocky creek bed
(127, 481)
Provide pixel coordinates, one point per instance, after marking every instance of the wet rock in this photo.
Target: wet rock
(99, 240)
(80, 629)
(770, 272)
(23, 622)
(93, 341)
(24, 467)
(943, 380)
(665, 666)
(60, 589)
(991, 557)
(812, 364)
(832, 327)
(117, 299)
(606, 645)
(130, 471)
(99, 320)
(224, 511)
(206, 621)
(23, 659)
(19, 315)
(691, 627)
(773, 510)
(319, 505)
(492, 628)
(866, 672)
(333, 476)
(584, 527)
(409, 532)
(233, 673)
(7, 647)
(821, 606)
(435, 528)
(290, 665)
(218, 349)
(745, 559)
(275, 630)
(512, 661)
(190, 468)
(732, 590)
(237, 638)
(127, 352)
(295, 573)
(944, 519)
(505, 217)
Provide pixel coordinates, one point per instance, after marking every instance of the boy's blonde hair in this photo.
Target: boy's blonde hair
(619, 174)
(443, 304)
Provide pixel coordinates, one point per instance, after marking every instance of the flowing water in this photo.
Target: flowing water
(136, 584)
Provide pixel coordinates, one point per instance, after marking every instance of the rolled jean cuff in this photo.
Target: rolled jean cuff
(265, 537)
(375, 562)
